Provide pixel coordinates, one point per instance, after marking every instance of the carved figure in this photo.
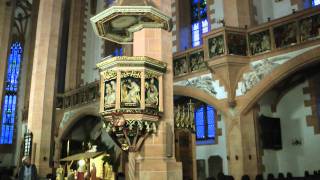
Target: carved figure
(132, 91)
(197, 61)
(260, 70)
(180, 66)
(216, 46)
(152, 95)
(305, 29)
(110, 95)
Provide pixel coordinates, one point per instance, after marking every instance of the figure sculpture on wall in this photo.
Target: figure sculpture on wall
(237, 44)
(197, 61)
(259, 42)
(305, 29)
(180, 66)
(216, 46)
(152, 93)
(285, 35)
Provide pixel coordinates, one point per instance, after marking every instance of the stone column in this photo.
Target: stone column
(6, 20)
(238, 13)
(157, 160)
(234, 146)
(242, 145)
(28, 54)
(251, 143)
(74, 57)
(41, 106)
(157, 154)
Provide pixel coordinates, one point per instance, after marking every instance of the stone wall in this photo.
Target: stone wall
(219, 149)
(292, 158)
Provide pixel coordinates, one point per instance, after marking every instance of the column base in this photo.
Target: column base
(158, 169)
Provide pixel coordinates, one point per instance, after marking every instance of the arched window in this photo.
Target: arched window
(199, 21)
(205, 117)
(10, 97)
(315, 2)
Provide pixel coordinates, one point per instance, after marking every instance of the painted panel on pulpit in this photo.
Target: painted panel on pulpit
(110, 94)
(130, 89)
(152, 92)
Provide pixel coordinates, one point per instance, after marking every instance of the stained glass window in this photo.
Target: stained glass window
(118, 52)
(315, 2)
(205, 123)
(10, 96)
(200, 123)
(199, 21)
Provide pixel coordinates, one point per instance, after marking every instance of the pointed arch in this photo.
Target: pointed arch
(202, 96)
(279, 74)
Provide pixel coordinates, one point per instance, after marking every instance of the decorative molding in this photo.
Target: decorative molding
(80, 96)
(118, 23)
(205, 83)
(258, 71)
(65, 119)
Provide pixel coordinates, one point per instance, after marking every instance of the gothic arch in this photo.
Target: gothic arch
(80, 113)
(200, 95)
(280, 73)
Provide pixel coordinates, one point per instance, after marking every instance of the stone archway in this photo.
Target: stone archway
(185, 141)
(248, 110)
(279, 74)
(68, 121)
(201, 95)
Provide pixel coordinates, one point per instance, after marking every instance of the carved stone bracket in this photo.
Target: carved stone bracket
(129, 134)
(229, 70)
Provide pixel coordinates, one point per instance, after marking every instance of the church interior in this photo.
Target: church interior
(160, 89)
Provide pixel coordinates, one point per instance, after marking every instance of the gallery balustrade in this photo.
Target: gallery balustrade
(299, 28)
(83, 95)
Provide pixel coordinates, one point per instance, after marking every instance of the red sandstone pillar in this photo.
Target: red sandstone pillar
(41, 106)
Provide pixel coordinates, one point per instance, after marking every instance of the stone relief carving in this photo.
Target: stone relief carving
(216, 46)
(204, 83)
(152, 92)
(285, 35)
(237, 44)
(130, 89)
(180, 66)
(259, 70)
(263, 67)
(309, 28)
(260, 42)
(197, 61)
(65, 119)
(110, 94)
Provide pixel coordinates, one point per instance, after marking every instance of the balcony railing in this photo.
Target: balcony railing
(83, 95)
(189, 61)
(299, 28)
